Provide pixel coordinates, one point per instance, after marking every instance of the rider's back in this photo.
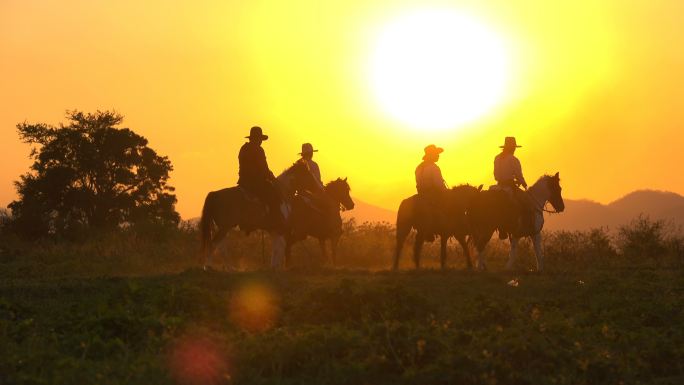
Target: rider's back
(253, 165)
(506, 167)
(429, 178)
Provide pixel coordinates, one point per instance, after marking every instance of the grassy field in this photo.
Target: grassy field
(138, 312)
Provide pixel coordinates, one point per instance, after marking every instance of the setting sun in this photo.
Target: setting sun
(436, 70)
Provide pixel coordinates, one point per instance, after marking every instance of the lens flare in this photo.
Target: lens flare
(198, 361)
(254, 308)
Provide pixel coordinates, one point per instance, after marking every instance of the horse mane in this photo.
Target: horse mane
(335, 181)
(546, 176)
(295, 164)
(461, 186)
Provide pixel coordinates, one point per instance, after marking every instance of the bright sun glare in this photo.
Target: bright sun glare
(436, 70)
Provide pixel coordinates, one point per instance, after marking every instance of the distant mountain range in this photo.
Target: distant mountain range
(578, 214)
(366, 212)
(585, 214)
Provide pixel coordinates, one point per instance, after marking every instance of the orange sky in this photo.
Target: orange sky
(596, 90)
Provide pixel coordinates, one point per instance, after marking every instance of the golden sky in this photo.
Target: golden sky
(595, 89)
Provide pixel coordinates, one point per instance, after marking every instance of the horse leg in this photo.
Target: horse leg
(288, 250)
(466, 251)
(213, 243)
(481, 256)
(324, 252)
(443, 250)
(513, 253)
(278, 253)
(417, 246)
(333, 245)
(402, 233)
(539, 252)
(481, 244)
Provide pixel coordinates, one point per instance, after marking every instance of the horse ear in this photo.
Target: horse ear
(479, 188)
(345, 179)
(557, 175)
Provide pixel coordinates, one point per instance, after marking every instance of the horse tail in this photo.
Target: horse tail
(205, 223)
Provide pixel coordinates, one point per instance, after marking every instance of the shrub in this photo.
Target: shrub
(644, 237)
(5, 219)
(579, 248)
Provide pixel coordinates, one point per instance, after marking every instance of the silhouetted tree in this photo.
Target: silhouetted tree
(89, 175)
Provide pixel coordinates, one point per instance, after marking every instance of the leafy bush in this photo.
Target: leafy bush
(5, 219)
(646, 238)
(579, 248)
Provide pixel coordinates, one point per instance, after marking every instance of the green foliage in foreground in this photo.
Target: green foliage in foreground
(341, 327)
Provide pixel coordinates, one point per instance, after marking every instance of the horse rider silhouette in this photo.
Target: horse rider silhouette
(317, 199)
(431, 187)
(256, 178)
(307, 156)
(509, 178)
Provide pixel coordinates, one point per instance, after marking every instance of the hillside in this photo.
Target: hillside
(366, 212)
(584, 214)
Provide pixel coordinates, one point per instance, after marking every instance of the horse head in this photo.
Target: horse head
(339, 191)
(555, 197)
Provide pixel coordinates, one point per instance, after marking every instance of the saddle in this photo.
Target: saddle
(253, 213)
(430, 215)
(522, 220)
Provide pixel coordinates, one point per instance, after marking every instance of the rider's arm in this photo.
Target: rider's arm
(496, 168)
(436, 176)
(264, 165)
(518, 173)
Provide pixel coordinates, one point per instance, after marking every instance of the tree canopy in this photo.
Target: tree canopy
(89, 175)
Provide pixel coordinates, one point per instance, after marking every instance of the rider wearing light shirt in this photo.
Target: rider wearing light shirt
(508, 175)
(507, 168)
(307, 156)
(428, 175)
(431, 187)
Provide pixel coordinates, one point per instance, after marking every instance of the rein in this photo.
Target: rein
(541, 207)
(549, 211)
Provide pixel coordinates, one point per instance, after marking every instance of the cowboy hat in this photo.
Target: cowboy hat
(255, 132)
(509, 142)
(432, 150)
(307, 148)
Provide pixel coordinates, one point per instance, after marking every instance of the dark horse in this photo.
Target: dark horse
(455, 207)
(321, 218)
(493, 209)
(234, 206)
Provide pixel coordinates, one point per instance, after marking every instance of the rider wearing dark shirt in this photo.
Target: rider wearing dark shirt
(255, 176)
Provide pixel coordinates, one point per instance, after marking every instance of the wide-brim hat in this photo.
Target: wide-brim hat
(509, 142)
(255, 132)
(432, 150)
(307, 148)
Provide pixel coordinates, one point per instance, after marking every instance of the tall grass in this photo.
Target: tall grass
(362, 246)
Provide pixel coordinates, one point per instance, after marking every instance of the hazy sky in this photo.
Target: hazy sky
(596, 89)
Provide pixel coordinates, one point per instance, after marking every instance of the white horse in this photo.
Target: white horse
(491, 208)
